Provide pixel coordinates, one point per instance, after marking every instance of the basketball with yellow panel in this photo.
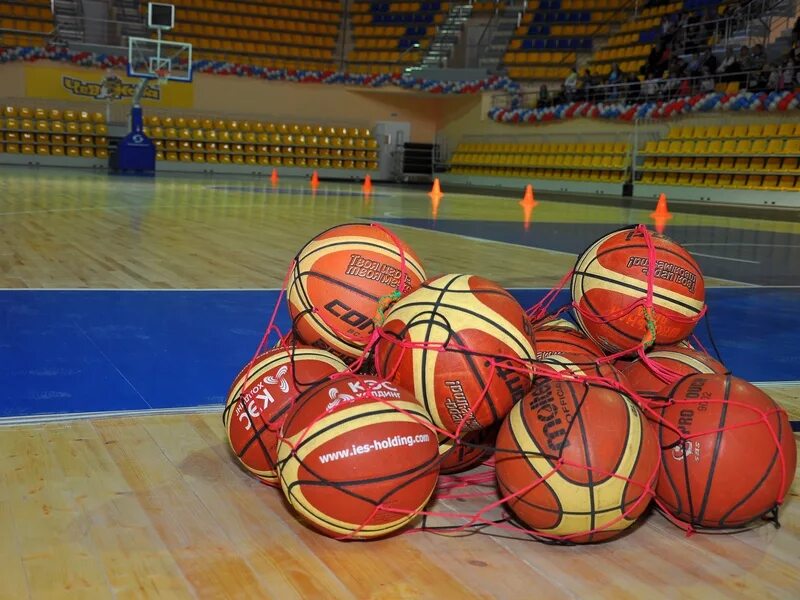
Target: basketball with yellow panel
(358, 457)
(461, 343)
(576, 461)
(611, 276)
(339, 279)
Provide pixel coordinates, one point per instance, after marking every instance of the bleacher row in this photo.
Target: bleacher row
(560, 25)
(26, 23)
(264, 144)
(53, 132)
(755, 156)
(759, 156)
(606, 162)
(275, 34)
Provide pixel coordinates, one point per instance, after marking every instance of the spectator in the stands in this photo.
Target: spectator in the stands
(709, 60)
(758, 58)
(694, 65)
(633, 88)
(730, 64)
(615, 78)
(571, 84)
(706, 84)
(775, 80)
(760, 81)
(544, 98)
(587, 90)
(789, 74)
(650, 88)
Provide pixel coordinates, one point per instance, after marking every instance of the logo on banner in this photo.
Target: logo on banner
(97, 91)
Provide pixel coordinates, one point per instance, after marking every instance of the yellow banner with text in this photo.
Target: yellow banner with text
(95, 85)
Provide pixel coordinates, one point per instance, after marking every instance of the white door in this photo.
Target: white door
(391, 136)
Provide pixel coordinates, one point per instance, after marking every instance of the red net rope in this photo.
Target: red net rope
(471, 502)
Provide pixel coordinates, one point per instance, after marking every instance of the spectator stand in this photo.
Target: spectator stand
(553, 35)
(25, 23)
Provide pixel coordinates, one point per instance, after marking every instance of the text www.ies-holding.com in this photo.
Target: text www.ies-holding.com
(375, 446)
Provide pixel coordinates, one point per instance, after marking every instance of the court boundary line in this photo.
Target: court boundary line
(736, 286)
(81, 416)
(476, 239)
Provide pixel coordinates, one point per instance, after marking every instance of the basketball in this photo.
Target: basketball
(455, 343)
(582, 366)
(338, 280)
(358, 457)
(576, 462)
(553, 322)
(664, 367)
(612, 276)
(465, 452)
(255, 409)
(729, 454)
(563, 340)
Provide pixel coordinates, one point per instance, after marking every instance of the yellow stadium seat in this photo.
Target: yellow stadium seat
(725, 180)
(753, 182)
(740, 131)
(755, 130)
(743, 146)
(712, 131)
(770, 182)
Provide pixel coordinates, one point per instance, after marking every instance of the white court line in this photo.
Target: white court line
(483, 240)
(742, 260)
(58, 417)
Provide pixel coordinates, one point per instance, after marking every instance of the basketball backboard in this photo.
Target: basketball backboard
(146, 58)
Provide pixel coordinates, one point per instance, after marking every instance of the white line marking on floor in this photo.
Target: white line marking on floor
(741, 260)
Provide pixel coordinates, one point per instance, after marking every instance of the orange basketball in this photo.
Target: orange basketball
(576, 462)
(358, 457)
(455, 343)
(255, 409)
(611, 276)
(584, 366)
(464, 452)
(563, 340)
(553, 322)
(677, 361)
(729, 454)
(338, 279)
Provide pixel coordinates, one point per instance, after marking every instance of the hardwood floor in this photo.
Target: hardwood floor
(155, 507)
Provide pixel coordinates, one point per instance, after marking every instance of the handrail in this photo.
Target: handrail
(615, 92)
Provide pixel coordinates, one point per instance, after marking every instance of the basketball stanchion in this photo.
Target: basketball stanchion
(392, 389)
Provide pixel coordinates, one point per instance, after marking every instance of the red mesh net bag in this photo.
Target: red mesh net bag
(449, 418)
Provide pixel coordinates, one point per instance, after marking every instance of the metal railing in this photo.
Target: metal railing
(643, 91)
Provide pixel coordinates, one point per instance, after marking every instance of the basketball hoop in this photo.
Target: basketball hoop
(162, 75)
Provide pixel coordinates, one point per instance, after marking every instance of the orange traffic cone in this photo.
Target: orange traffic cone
(314, 181)
(274, 177)
(661, 214)
(527, 203)
(436, 190)
(367, 187)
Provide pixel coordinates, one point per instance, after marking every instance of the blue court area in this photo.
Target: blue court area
(743, 255)
(87, 351)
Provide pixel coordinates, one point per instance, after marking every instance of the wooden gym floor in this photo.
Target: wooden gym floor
(132, 304)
